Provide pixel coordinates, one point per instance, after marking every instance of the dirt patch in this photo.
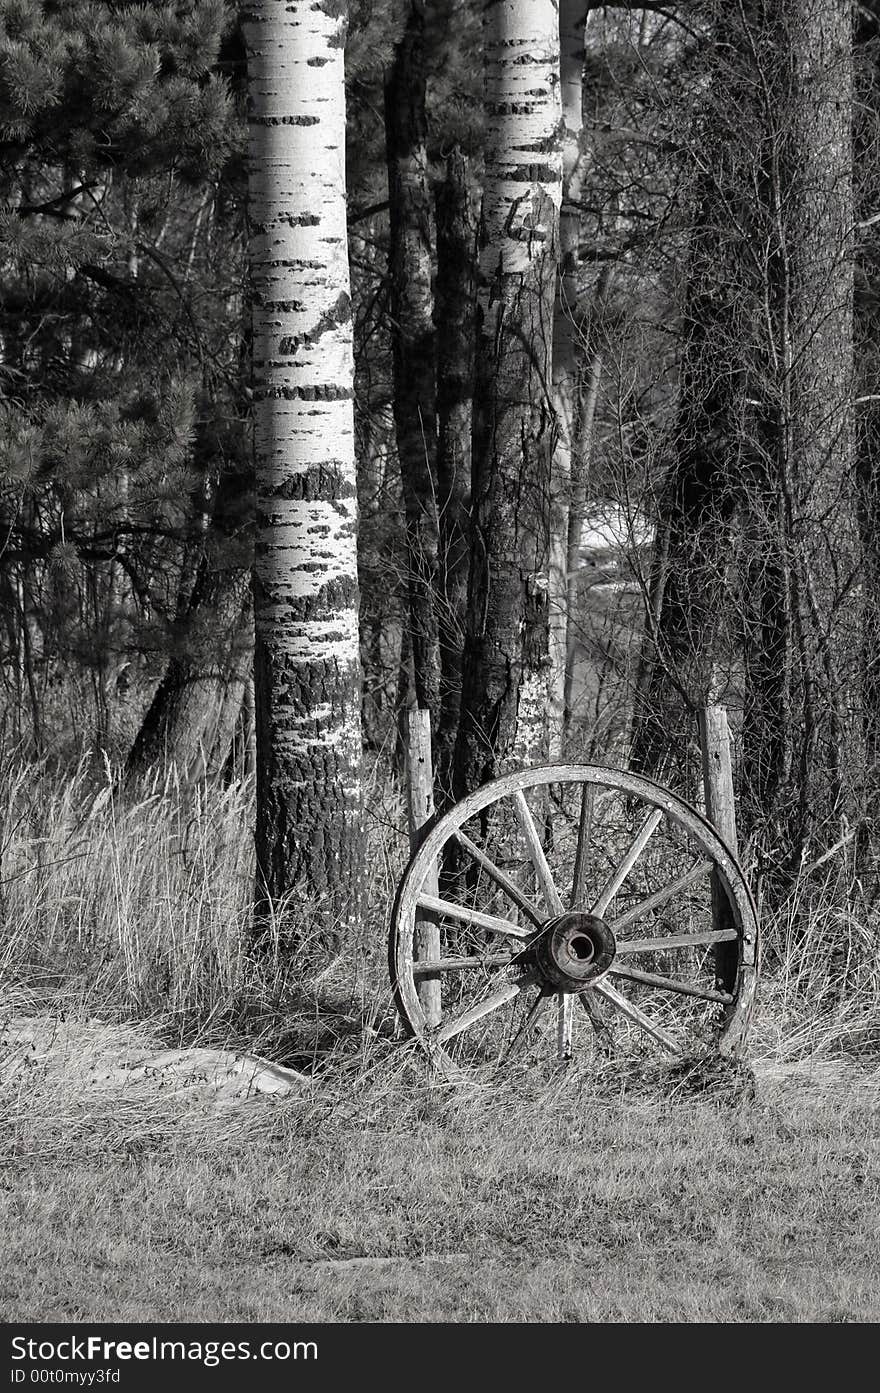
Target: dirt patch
(92, 1056)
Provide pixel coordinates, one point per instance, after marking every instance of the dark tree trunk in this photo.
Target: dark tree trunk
(759, 516)
(801, 749)
(194, 709)
(867, 358)
(454, 319)
(410, 273)
(191, 717)
(821, 439)
(505, 692)
(581, 461)
(679, 667)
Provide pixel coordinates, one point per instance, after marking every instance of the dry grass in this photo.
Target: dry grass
(595, 1195)
(137, 905)
(820, 986)
(138, 902)
(380, 1197)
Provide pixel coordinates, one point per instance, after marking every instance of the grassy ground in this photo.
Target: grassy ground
(379, 1198)
(592, 1195)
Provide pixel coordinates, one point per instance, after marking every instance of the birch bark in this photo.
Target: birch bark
(307, 673)
(567, 383)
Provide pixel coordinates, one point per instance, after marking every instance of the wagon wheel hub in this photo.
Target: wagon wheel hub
(573, 950)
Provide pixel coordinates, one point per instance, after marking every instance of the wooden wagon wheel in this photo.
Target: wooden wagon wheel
(586, 887)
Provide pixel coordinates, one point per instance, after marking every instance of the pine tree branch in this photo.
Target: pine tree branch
(54, 207)
(109, 281)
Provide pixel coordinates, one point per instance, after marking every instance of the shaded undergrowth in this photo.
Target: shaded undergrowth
(135, 904)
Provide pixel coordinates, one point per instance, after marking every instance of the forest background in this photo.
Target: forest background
(594, 357)
(670, 500)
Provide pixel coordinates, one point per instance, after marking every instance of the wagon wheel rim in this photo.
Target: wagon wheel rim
(573, 938)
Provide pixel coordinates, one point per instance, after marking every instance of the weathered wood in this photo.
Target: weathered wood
(482, 960)
(660, 897)
(669, 984)
(582, 855)
(536, 852)
(466, 915)
(721, 812)
(564, 1026)
(501, 878)
(639, 842)
(718, 773)
(659, 945)
(412, 898)
(637, 1016)
(603, 1031)
(553, 901)
(420, 810)
(419, 780)
(483, 1008)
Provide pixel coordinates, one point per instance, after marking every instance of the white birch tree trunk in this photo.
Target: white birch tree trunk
(307, 670)
(573, 18)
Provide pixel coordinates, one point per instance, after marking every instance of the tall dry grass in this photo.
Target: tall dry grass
(135, 903)
(820, 981)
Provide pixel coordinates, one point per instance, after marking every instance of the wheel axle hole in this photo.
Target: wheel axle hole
(581, 947)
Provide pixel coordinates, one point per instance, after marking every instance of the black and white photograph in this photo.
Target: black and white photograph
(439, 678)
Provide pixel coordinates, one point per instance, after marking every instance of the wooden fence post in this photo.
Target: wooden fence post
(718, 773)
(721, 812)
(420, 810)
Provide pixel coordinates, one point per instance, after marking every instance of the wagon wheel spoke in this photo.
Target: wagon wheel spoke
(604, 1033)
(670, 984)
(501, 878)
(564, 1026)
(637, 1016)
(662, 897)
(466, 915)
(426, 967)
(637, 846)
(475, 1013)
(525, 1028)
(536, 852)
(582, 855)
(687, 940)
